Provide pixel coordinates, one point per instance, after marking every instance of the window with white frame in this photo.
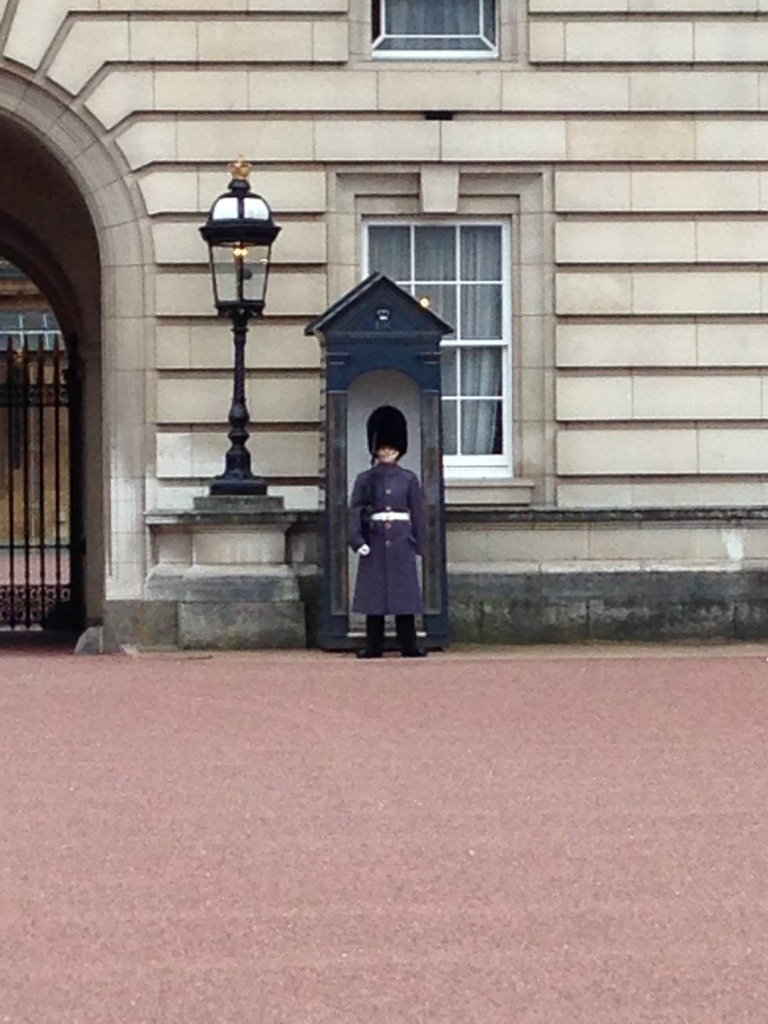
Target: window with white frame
(434, 28)
(30, 331)
(462, 269)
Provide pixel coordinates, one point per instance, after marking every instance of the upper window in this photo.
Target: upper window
(434, 28)
(461, 269)
(29, 330)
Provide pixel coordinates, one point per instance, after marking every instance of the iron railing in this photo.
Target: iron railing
(35, 481)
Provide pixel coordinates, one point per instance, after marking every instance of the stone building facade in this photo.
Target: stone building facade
(595, 170)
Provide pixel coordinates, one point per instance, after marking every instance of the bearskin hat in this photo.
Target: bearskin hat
(387, 427)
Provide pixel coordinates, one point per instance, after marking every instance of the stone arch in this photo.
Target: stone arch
(72, 219)
(22, 248)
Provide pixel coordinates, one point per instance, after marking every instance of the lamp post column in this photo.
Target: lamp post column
(239, 233)
(237, 477)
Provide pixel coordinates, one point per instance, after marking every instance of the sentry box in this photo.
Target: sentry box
(381, 347)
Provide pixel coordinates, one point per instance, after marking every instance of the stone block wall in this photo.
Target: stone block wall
(625, 142)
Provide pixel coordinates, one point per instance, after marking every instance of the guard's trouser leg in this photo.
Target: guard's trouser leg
(405, 627)
(374, 636)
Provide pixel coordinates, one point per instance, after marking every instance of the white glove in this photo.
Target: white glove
(363, 550)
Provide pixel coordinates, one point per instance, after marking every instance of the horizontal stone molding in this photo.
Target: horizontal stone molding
(688, 240)
(134, 87)
(637, 344)
(679, 396)
(96, 38)
(510, 138)
(196, 399)
(299, 242)
(662, 292)
(648, 40)
(673, 190)
(181, 190)
(659, 451)
(207, 345)
(638, 7)
(199, 454)
(189, 294)
(649, 493)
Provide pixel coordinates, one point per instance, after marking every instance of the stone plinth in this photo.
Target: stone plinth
(223, 568)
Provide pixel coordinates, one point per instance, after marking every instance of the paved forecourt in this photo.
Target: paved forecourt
(542, 837)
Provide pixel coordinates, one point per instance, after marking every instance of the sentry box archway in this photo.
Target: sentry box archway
(381, 347)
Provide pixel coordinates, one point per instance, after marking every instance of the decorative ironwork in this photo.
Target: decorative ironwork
(36, 521)
(19, 395)
(34, 606)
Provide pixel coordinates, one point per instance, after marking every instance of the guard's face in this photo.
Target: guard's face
(387, 454)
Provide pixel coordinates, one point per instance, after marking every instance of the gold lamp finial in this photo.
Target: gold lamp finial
(240, 169)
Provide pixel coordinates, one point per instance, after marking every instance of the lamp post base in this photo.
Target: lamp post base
(238, 485)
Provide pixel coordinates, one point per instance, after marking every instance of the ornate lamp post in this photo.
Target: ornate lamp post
(239, 232)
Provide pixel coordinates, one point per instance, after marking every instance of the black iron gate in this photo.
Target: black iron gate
(38, 534)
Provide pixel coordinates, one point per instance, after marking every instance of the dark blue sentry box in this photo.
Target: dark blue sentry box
(381, 347)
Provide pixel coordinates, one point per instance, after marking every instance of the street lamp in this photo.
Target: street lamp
(239, 232)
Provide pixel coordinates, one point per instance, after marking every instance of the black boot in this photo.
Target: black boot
(374, 637)
(405, 627)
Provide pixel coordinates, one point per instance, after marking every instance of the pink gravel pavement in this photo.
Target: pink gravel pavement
(540, 838)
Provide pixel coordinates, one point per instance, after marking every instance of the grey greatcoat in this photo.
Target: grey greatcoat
(387, 579)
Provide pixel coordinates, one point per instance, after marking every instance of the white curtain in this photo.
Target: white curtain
(430, 18)
(389, 252)
(481, 320)
(481, 375)
(434, 261)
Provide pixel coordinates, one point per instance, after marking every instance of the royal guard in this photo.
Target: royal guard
(386, 529)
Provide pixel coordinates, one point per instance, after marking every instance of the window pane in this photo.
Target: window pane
(481, 427)
(454, 17)
(481, 312)
(389, 252)
(448, 364)
(435, 254)
(481, 374)
(432, 17)
(442, 300)
(489, 20)
(450, 432)
(481, 253)
(405, 17)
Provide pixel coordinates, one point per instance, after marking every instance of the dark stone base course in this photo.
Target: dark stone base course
(234, 625)
(573, 607)
(309, 591)
(486, 608)
(145, 624)
(241, 626)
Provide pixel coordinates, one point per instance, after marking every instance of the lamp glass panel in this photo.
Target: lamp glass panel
(255, 208)
(224, 274)
(240, 272)
(253, 268)
(225, 208)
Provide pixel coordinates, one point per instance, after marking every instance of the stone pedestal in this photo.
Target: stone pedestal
(223, 568)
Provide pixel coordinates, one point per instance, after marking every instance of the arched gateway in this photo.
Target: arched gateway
(41, 537)
(72, 405)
